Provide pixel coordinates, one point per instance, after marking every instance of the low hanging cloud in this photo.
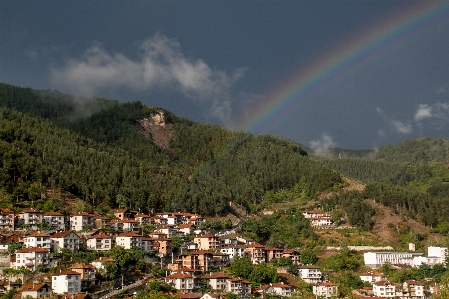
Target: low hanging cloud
(160, 64)
(322, 145)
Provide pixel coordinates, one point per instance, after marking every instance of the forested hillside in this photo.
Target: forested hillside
(94, 149)
(411, 177)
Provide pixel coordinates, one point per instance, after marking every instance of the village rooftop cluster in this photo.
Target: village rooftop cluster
(43, 234)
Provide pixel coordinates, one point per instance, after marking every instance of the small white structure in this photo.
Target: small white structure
(372, 277)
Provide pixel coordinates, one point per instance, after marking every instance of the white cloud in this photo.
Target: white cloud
(396, 125)
(423, 111)
(400, 127)
(437, 111)
(160, 64)
(322, 145)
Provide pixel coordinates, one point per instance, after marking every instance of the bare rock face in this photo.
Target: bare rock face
(157, 129)
(159, 118)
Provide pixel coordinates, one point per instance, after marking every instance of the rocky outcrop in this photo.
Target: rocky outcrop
(156, 128)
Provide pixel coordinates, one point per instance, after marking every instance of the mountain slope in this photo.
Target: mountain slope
(105, 156)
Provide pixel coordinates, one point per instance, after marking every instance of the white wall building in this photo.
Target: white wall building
(377, 259)
(38, 240)
(310, 274)
(325, 289)
(129, 240)
(65, 240)
(66, 281)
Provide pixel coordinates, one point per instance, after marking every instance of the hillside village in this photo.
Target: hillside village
(32, 241)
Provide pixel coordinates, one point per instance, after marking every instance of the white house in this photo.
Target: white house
(372, 277)
(36, 290)
(325, 289)
(385, 289)
(82, 221)
(281, 289)
(66, 281)
(30, 258)
(310, 274)
(101, 261)
(233, 251)
(65, 240)
(37, 240)
(129, 240)
(181, 281)
(100, 242)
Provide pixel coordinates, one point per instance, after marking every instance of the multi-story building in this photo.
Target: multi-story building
(100, 242)
(274, 253)
(386, 289)
(81, 221)
(37, 240)
(325, 289)
(36, 290)
(147, 244)
(131, 225)
(217, 281)
(129, 240)
(255, 252)
(87, 273)
(66, 281)
(122, 213)
(413, 289)
(310, 274)
(233, 251)
(377, 259)
(30, 258)
(294, 255)
(6, 219)
(162, 246)
(29, 219)
(181, 281)
(102, 222)
(54, 220)
(65, 240)
(207, 241)
(200, 260)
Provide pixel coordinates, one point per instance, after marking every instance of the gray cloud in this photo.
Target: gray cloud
(160, 64)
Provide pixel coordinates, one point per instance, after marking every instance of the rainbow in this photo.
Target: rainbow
(370, 44)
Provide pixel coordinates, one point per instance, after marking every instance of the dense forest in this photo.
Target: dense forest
(93, 149)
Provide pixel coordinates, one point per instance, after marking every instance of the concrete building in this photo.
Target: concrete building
(66, 281)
